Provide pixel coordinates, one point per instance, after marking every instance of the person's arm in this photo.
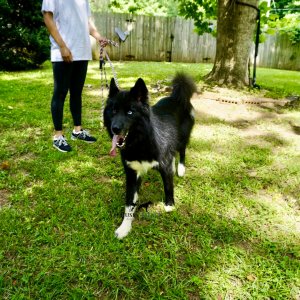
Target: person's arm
(94, 33)
(51, 26)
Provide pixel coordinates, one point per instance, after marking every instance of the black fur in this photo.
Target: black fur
(151, 133)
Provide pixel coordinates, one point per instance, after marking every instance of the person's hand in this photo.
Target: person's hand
(102, 41)
(66, 54)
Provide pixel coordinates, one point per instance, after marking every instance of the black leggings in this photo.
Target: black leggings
(68, 77)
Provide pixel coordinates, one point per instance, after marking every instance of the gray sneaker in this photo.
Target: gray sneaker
(61, 144)
(83, 135)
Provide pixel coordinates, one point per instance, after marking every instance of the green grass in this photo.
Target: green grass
(235, 233)
(279, 83)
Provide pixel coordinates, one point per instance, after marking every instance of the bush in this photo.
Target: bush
(23, 35)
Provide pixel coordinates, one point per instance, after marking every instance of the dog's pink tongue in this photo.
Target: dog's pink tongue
(113, 150)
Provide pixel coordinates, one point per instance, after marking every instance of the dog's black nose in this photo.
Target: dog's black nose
(116, 129)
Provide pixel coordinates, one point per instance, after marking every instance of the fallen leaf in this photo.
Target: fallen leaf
(251, 277)
(5, 165)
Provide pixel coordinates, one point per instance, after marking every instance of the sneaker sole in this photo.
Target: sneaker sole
(75, 138)
(64, 151)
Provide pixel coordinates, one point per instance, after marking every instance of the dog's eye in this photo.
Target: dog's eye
(129, 112)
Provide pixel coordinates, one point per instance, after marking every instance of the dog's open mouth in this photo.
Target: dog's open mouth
(117, 141)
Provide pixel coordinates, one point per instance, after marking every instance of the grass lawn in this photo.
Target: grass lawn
(235, 233)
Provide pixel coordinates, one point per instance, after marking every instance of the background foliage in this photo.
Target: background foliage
(201, 11)
(23, 37)
(283, 16)
(146, 7)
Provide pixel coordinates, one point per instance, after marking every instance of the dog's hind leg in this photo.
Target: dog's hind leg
(181, 164)
(174, 165)
(132, 188)
(185, 132)
(167, 177)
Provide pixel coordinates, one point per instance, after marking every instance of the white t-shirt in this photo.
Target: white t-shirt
(71, 18)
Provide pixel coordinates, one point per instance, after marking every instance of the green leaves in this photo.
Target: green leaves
(283, 17)
(201, 11)
(23, 36)
(145, 7)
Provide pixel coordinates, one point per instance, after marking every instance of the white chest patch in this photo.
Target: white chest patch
(142, 167)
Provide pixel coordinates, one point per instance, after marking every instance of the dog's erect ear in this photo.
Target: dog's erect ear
(140, 91)
(113, 89)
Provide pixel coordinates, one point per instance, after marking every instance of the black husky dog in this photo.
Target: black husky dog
(149, 137)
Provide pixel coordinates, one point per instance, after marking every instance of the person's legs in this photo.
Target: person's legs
(76, 86)
(61, 74)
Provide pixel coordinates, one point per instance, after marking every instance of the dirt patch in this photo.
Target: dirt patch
(231, 105)
(253, 116)
(4, 196)
(225, 95)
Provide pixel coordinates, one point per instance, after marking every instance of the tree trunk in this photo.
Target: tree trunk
(235, 31)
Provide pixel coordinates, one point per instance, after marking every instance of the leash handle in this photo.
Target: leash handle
(113, 43)
(103, 75)
(101, 59)
(110, 42)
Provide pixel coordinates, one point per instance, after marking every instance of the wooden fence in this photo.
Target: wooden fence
(174, 39)
(278, 52)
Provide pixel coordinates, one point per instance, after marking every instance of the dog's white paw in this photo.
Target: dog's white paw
(123, 230)
(181, 170)
(169, 208)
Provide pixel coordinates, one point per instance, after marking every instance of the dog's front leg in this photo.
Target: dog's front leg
(132, 187)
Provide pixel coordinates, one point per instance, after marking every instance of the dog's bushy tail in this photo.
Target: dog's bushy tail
(183, 89)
